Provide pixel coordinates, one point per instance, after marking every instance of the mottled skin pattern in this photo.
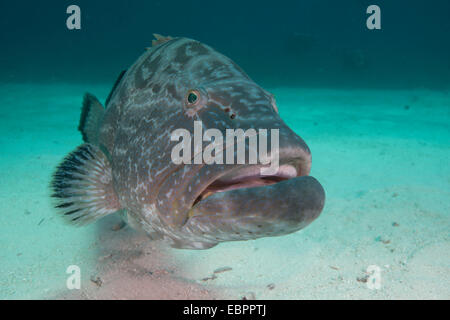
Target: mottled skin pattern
(158, 196)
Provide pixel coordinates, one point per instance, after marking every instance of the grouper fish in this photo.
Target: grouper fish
(125, 164)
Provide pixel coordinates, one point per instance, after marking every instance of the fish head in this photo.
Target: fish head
(205, 202)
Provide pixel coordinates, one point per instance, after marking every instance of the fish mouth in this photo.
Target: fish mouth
(250, 176)
(243, 204)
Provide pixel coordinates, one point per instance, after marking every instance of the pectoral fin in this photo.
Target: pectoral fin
(83, 186)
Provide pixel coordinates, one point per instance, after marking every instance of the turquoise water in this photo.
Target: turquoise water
(372, 105)
(382, 157)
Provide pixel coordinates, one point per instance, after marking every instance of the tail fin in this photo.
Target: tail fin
(91, 118)
(82, 186)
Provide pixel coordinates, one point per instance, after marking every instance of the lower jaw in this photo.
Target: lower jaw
(250, 213)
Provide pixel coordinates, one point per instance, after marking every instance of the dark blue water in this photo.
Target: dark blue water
(309, 43)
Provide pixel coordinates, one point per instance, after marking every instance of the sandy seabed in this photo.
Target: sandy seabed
(383, 158)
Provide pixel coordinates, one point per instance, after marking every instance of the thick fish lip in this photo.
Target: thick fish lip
(250, 176)
(244, 214)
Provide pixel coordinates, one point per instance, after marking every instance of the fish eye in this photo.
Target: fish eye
(192, 98)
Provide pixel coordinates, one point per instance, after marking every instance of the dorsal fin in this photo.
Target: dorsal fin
(115, 86)
(160, 39)
(91, 117)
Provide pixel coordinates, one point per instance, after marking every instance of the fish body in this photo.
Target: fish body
(126, 163)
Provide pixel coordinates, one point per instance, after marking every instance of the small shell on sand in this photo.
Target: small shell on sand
(271, 286)
(96, 280)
